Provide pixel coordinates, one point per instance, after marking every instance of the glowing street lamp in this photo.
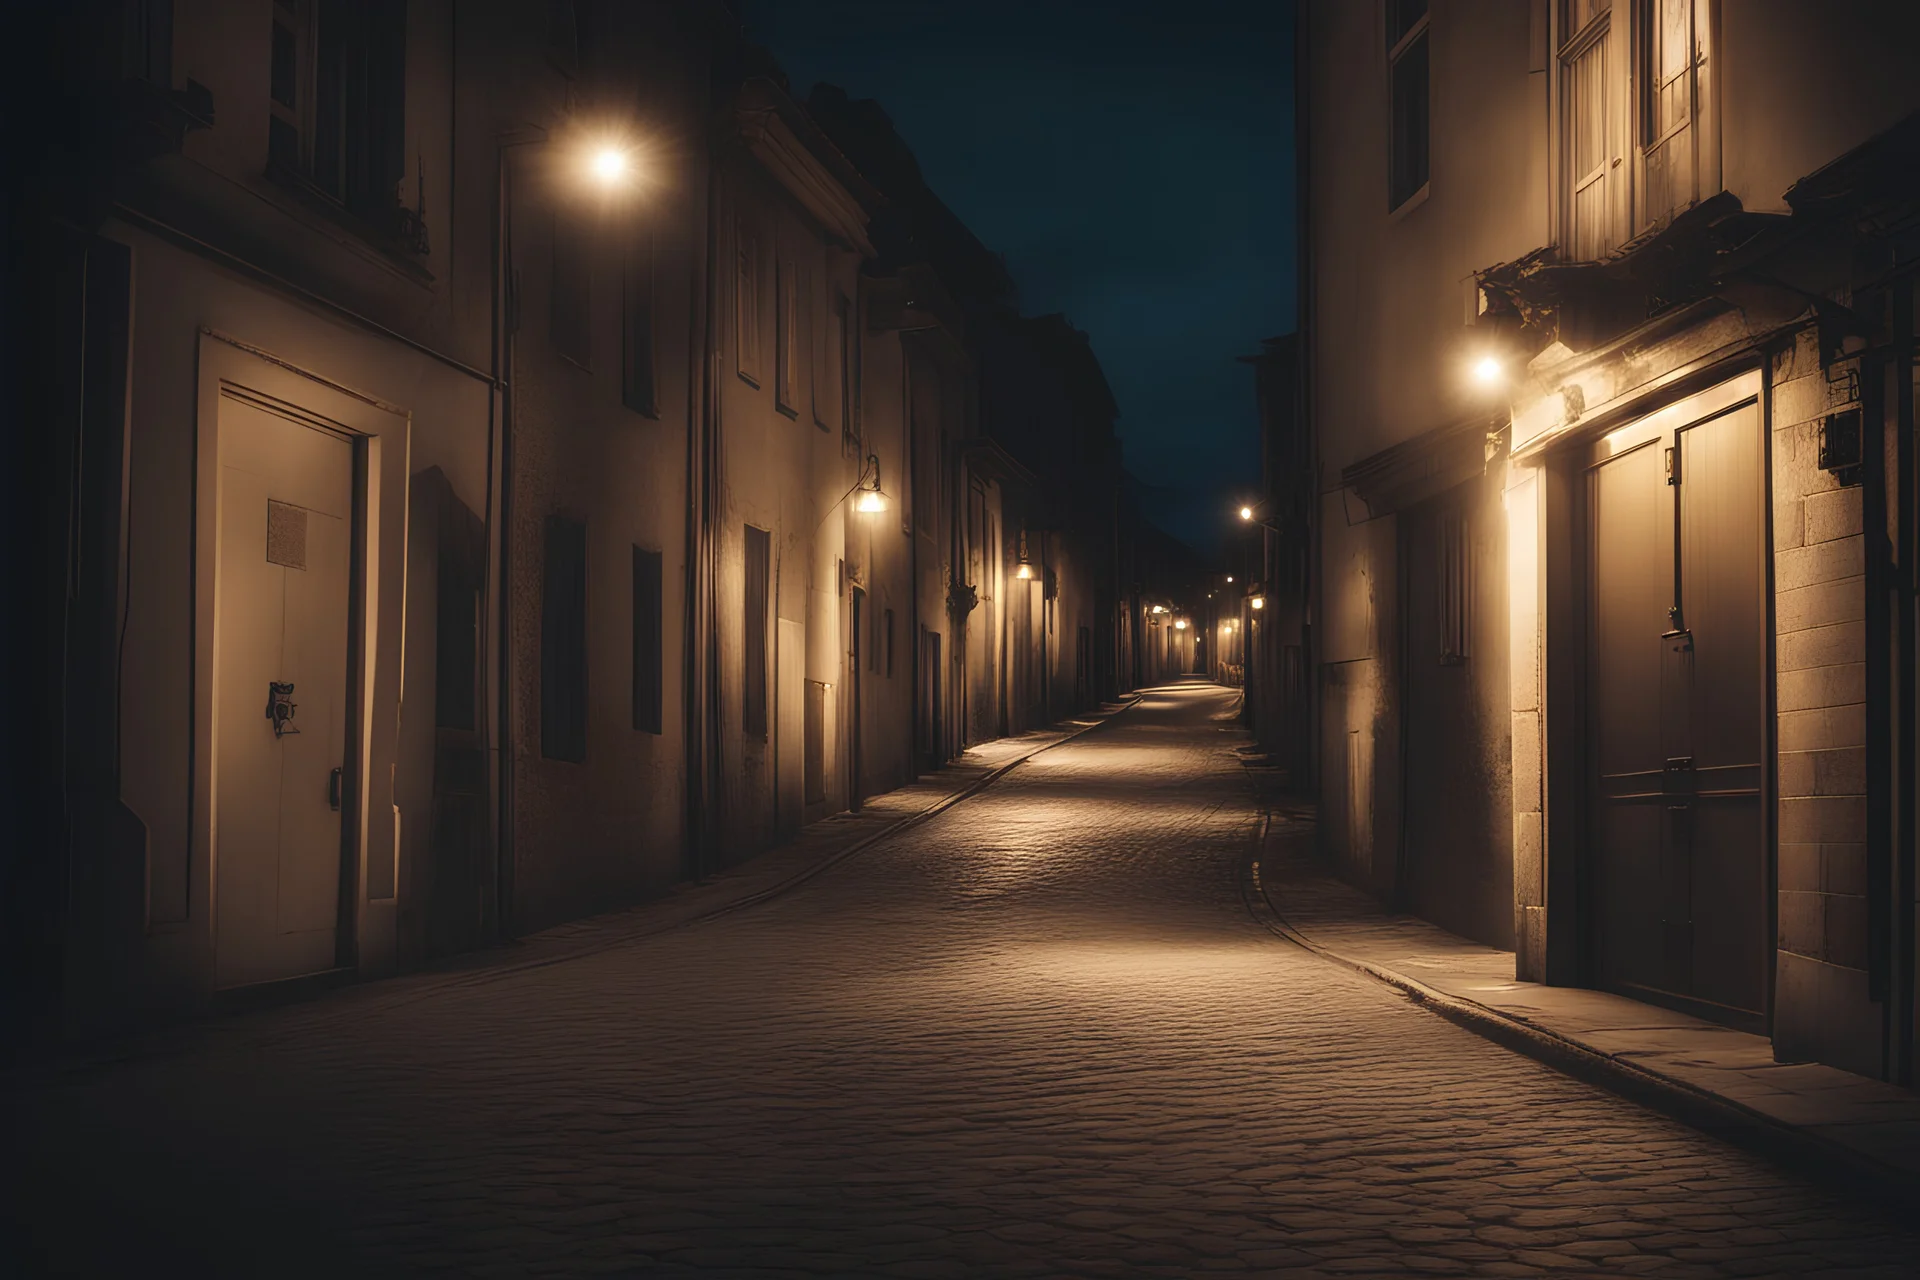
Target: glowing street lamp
(1246, 513)
(871, 500)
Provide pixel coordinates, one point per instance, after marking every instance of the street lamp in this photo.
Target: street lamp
(871, 500)
(1246, 513)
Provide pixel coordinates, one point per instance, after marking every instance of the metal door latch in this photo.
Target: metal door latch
(281, 707)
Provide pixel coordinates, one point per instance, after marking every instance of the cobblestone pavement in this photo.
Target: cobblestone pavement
(1037, 1035)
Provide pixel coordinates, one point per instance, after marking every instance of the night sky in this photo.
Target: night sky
(1136, 169)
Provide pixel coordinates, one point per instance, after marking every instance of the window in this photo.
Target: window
(563, 642)
(571, 319)
(1455, 582)
(746, 306)
(1588, 131)
(786, 337)
(336, 122)
(846, 371)
(646, 640)
(1407, 100)
(637, 390)
(1668, 57)
(754, 645)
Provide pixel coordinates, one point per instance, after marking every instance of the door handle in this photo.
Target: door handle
(333, 789)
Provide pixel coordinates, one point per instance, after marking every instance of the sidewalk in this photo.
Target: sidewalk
(1862, 1131)
(817, 847)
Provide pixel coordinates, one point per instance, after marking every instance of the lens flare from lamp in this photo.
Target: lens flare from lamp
(610, 165)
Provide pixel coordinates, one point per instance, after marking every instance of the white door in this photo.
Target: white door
(283, 575)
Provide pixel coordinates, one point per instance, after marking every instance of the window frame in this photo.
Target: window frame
(746, 305)
(1416, 34)
(786, 337)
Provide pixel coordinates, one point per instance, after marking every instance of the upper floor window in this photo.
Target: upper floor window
(1408, 150)
(746, 305)
(1590, 138)
(337, 89)
(1668, 56)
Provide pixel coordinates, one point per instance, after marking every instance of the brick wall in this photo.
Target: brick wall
(1821, 1009)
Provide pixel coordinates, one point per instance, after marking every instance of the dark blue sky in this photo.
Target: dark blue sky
(1133, 161)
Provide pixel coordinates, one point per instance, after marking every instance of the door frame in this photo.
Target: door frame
(1573, 954)
(1572, 930)
(370, 846)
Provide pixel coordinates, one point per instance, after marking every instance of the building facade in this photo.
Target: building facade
(494, 466)
(1609, 366)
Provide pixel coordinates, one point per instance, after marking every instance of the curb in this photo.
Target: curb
(832, 860)
(493, 973)
(1802, 1153)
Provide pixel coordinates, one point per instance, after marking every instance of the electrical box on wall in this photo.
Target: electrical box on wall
(1840, 446)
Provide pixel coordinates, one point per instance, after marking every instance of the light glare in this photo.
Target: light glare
(609, 165)
(1246, 513)
(1487, 371)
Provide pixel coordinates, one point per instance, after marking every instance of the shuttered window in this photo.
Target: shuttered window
(754, 629)
(1667, 61)
(336, 118)
(1587, 134)
(647, 657)
(563, 642)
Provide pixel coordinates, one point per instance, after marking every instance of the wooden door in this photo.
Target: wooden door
(1675, 715)
(283, 577)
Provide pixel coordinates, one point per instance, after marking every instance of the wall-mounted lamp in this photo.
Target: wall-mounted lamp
(870, 499)
(1229, 577)
(1023, 567)
(1179, 624)
(1159, 608)
(1258, 602)
(1489, 372)
(1246, 513)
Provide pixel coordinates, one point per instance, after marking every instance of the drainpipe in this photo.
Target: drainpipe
(500, 404)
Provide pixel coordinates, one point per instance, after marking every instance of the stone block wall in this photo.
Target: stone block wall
(1821, 1008)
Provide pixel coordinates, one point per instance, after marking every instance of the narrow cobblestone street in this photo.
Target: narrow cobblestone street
(1038, 1034)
